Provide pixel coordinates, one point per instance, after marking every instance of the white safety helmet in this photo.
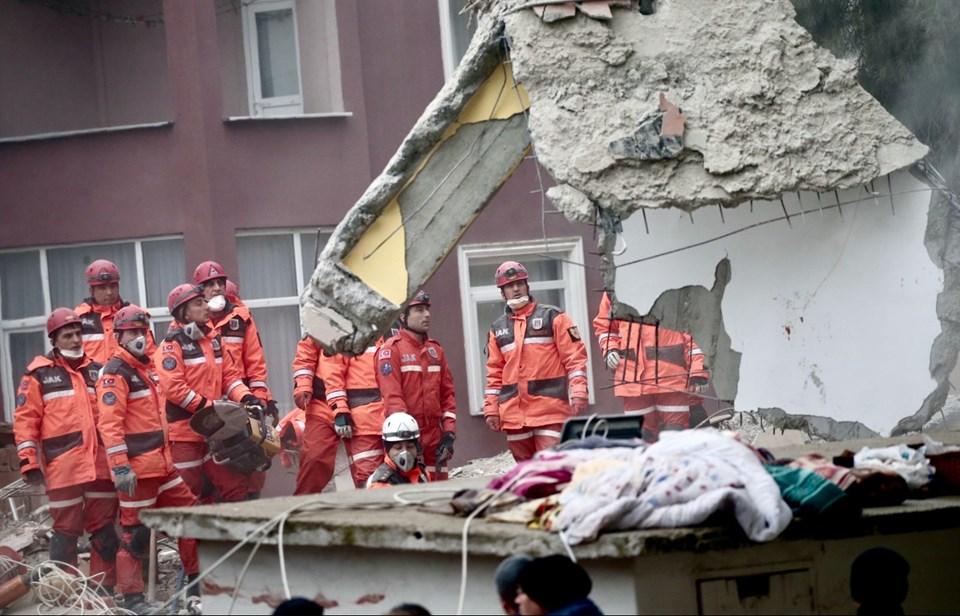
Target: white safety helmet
(400, 427)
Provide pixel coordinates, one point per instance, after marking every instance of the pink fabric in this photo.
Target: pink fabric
(546, 474)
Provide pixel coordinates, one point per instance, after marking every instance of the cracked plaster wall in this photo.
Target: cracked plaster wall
(767, 110)
(833, 317)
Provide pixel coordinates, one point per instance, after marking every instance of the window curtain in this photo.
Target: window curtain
(66, 267)
(266, 266)
(21, 291)
(162, 268)
(279, 331)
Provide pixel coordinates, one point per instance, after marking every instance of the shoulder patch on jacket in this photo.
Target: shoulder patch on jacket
(169, 363)
(384, 354)
(21, 399)
(109, 398)
(574, 333)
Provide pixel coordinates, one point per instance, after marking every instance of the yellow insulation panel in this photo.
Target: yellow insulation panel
(379, 256)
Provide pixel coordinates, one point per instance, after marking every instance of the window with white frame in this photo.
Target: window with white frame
(555, 278)
(34, 281)
(456, 30)
(274, 265)
(273, 58)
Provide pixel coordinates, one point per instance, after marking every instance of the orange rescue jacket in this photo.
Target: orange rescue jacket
(414, 377)
(96, 324)
(654, 359)
(132, 422)
(536, 362)
(351, 385)
(387, 474)
(310, 365)
(194, 373)
(240, 338)
(55, 421)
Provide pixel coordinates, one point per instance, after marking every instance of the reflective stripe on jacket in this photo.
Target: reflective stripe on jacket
(653, 359)
(132, 422)
(55, 422)
(194, 373)
(536, 362)
(414, 378)
(96, 327)
(240, 338)
(351, 383)
(309, 368)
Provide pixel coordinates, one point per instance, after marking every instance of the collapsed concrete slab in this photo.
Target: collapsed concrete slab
(767, 110)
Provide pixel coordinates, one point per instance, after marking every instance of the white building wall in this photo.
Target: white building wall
(833, 316)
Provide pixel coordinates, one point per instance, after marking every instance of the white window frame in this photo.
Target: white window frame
(301, 277)
(574, 291)
(448, 50)
(9, 373)
(260, 106)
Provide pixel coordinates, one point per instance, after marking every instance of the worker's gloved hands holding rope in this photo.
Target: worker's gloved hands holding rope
(124, 479)
(613, 359)
(34, 477)
(343, 424)
(445, 448)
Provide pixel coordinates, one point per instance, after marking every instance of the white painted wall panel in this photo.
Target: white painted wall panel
(833, 316)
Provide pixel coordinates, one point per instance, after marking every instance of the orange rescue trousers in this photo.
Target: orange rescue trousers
(209, 481)
(90, 507)
(169, 491)
(318, 456)
(525, 442)
(668, 411)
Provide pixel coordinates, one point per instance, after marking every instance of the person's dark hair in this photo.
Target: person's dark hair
(507, 576)
(408, 609)
(554, 582)
(879, 581)
(297, 606)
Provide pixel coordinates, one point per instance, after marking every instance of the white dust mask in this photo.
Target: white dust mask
(137, 346)
(193, 331)
(217, 303)
(404, 460)
(71, 354)
(518, 302)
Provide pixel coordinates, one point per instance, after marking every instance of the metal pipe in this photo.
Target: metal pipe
(152, 568)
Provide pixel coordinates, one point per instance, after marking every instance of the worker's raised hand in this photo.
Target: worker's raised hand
(493, 422)
(124, 479)
(301, 399)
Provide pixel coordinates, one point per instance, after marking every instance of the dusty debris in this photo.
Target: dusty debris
(484, 467)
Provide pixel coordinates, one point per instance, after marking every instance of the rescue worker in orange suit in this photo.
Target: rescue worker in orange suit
(194, 372)
(663, 382)
(55, 427)
(342, 402)
(290, 430)
(536, 368)
(240, 338)
(97, 311)
(402, 454)
(414, 377)
(133, 426)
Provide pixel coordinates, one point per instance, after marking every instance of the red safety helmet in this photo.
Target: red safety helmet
(181, 294)
(233, 290)
(131, 317)
(510, 271)
(208, 270)
(59, 318)
(102, 272)
(422, 298)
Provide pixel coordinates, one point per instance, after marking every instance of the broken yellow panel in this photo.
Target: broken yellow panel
(499, 98)
(383, 269)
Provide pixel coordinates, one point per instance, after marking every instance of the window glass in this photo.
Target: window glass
(162, 268)
(266, 266)
(279, 329)
(309, 252)
(277, 53)
(462, 26)
(24, 346)
(21, 294)
(540, 268)
(160, 328)
(66, 266)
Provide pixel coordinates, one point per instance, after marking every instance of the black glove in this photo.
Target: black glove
(34, 477)
(445, 448)
(273, 411)
(251, 400)
(343, 424)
